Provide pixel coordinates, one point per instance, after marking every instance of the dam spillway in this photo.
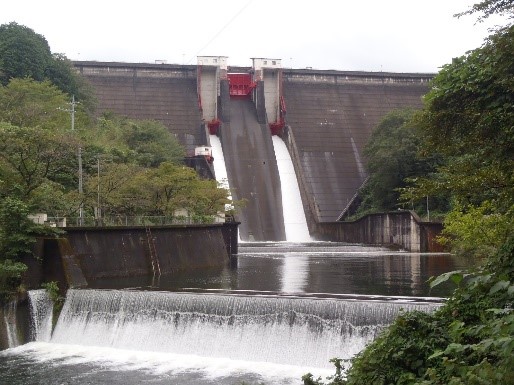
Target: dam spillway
(253, 173)
(330, 116)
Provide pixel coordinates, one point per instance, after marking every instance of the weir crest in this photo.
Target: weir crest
(281, 330)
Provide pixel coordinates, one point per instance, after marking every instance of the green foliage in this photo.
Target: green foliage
(23, 53)
(146, 143)
(394, 154)
(10, 278)
(52, 288)
(481, 328)
(28, 103)
(31, 156)
(488, 8)
(399, 355)
(26, 54)
(152, 143)
(476, 230)
(16, 230)
(336, 379)
(468, 340)
(62, 74)
(469, 116)
(134, 190)
(469, 119)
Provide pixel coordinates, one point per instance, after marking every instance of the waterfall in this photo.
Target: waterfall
(294, 216)
(41, 315)
(220, 169)
(9, 314)
(219, 163)
(298, 331)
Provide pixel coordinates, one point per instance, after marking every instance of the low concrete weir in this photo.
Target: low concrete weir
(299, 331)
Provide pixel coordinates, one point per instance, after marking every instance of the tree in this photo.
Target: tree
(28, 103)
(31, 156)
(394, 153)
(208, 199)
(152, 143)
(26, 54)
(127, 189)
(119, 194)
(469, 119)
(15, 229)
(170, 187)
(61, 73)
(145, 142)
(23, 53)
(490, 7)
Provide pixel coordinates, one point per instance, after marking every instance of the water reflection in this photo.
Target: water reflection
(295, 273)
(313, 268)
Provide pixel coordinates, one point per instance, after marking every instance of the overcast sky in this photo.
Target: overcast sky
(367, 35)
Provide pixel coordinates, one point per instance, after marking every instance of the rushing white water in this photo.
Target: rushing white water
(219, 163)
(294, 216)
(10, 324)
(114, 365)
(41, 312)
(301, 331)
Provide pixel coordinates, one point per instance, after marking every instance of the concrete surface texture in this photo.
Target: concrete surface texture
(253, 173)
(330, 113)
(332, 117)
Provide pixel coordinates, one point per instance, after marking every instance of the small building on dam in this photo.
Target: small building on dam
(325, 118)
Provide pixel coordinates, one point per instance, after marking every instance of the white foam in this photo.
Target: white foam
(295, 221)
(159, 363)
(41, 311)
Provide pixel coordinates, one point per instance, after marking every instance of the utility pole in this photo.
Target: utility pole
(98, 210)
(71, 110)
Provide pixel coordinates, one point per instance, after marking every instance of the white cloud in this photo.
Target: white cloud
(374, 35)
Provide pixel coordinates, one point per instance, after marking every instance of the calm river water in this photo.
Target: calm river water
(316, 267)
(314, 270)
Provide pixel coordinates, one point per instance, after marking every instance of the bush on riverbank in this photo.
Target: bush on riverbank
(468, 119)
(17, 236)
(469, 340)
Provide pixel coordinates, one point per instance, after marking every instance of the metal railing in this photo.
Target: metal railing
(125, 220)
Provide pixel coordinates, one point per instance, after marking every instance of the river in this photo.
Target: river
(283, 312)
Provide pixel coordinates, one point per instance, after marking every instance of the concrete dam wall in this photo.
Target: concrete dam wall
(330, 116)
(166, 93)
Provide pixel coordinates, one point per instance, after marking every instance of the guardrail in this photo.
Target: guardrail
(123, 220)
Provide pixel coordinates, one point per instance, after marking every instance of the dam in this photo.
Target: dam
(325, 118)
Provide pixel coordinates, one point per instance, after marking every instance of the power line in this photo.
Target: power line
(220, 31)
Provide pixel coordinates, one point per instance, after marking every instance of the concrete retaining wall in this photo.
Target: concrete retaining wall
(85, 254)
(14, 324)
(403, 229)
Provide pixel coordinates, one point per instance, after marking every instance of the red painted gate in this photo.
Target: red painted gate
(240, 84)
